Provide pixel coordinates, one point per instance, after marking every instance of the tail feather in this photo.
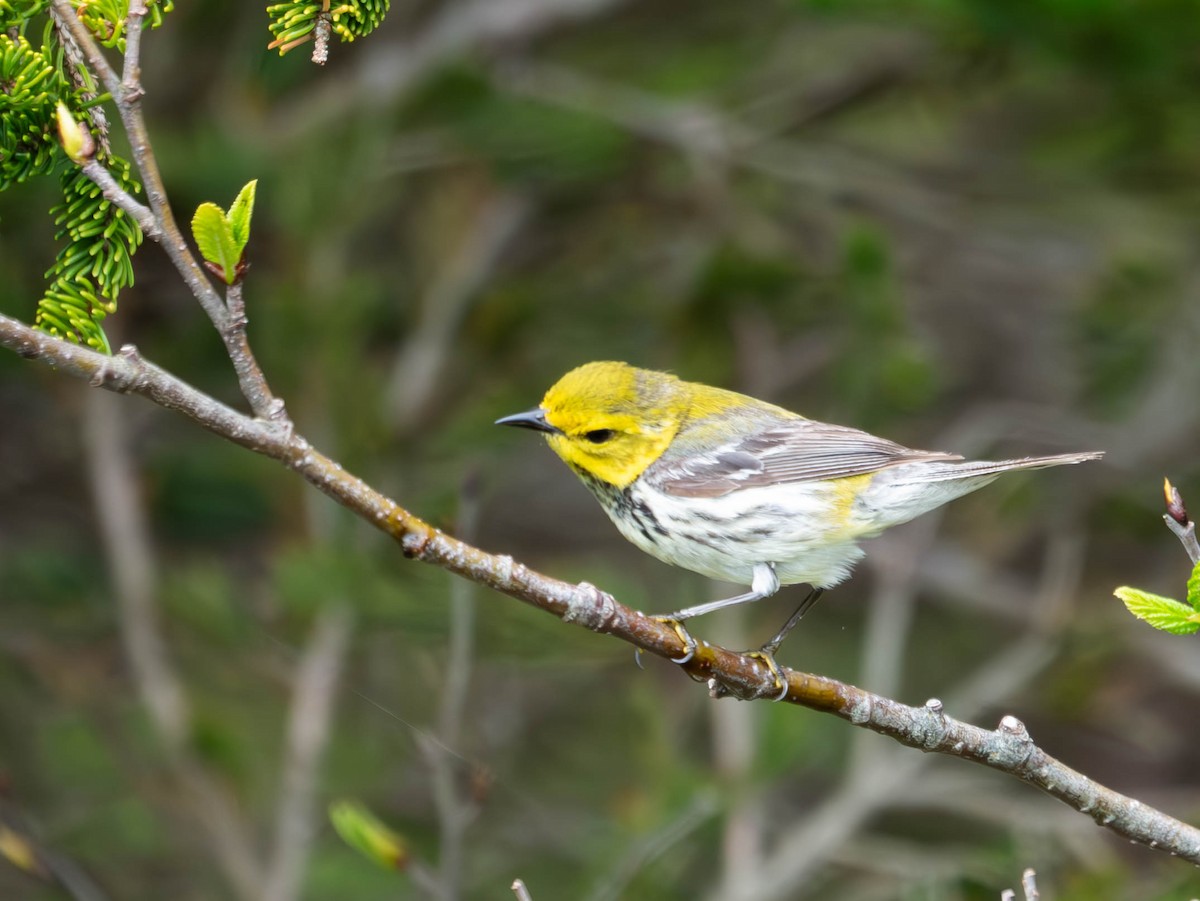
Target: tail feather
(939, 472)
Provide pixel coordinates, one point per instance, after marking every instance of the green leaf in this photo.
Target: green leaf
(214, 237)
(1162, 613)
(1193, 588)
(240, 213)
(365, 833)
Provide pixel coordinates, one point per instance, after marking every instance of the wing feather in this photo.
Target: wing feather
(802, 450)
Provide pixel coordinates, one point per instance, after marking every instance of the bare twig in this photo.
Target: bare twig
(307, 736)
(140, 213)
(522, 893)
(250, 375)
(1008, 748)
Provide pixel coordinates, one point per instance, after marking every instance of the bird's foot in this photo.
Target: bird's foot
(767, 655)
(689, 643)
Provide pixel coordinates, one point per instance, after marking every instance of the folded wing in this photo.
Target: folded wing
(802, 450)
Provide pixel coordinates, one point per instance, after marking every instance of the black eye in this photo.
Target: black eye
(598, 436)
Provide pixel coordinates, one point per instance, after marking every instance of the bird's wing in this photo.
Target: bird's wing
(801, 450)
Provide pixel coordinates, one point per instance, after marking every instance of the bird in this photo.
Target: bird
(741, 490)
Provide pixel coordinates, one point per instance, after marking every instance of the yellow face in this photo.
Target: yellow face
(611, 421)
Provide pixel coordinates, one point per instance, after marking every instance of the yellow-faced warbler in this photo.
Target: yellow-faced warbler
(738, 489)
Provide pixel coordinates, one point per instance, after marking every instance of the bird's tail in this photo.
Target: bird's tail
(950, 470)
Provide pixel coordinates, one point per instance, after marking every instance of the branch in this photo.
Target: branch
(250, 376)
(307, 735)
(1008, 748)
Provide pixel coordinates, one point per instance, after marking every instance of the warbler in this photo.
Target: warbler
(738, 489)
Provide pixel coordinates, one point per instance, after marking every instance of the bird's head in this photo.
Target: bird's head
(609, 420)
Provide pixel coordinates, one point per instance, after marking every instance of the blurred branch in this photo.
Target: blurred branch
(307, 736)
(421, 363)
(1008, 748)
(648, 848)
(126, 538)
(708, 134)
(387, 71)
(455, 810)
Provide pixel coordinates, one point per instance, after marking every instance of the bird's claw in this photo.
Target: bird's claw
(768, 658)
(689, 643)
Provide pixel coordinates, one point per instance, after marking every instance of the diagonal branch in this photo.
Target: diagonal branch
(1008, 748)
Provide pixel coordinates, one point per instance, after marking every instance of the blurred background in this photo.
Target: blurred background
(963, 225)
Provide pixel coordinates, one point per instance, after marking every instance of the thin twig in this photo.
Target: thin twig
(1008, 748)
(140, 213)
(131, 75)
(250, 375)
(522, 893)
(307, 736)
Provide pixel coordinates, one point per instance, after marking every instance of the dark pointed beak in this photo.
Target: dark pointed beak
(531, 419)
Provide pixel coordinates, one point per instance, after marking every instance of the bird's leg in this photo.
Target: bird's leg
(767, 652)
(763, 584)
(807, 604)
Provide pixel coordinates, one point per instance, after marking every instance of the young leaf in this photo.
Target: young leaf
(1193, 589)
(1162, 613)
(240, 213)
(214, 237)
(361, 830)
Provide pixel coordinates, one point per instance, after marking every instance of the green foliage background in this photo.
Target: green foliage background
(961, 224)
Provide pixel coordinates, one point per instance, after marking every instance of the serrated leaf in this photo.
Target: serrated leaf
(1193, 589)
(1162, 613)
(240, 213)
(214, 237)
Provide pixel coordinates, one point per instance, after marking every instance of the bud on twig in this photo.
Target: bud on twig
(1175, 507)
(76, 140)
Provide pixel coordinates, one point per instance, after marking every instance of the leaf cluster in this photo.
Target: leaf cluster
(293, 22)
(106, 18)
(96, 261)
(30, 86)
